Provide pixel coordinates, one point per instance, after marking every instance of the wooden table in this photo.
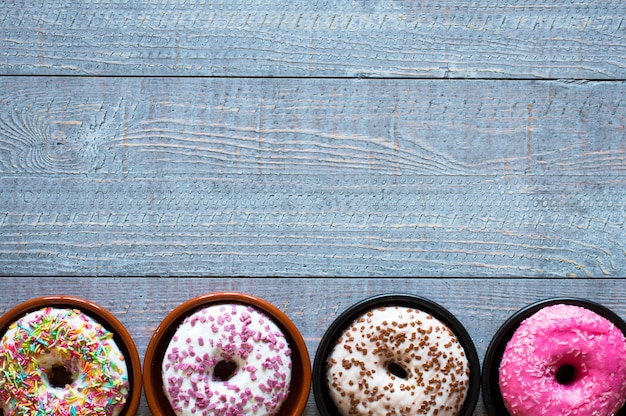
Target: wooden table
(313, 153)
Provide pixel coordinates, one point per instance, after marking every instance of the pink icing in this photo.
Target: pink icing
(570, 336)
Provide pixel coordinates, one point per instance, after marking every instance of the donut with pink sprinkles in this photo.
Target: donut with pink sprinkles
(227, 359)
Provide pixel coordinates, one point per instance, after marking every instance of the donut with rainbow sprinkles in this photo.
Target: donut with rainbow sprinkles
(60, 361)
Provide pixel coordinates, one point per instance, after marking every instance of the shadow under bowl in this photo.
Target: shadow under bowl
(120, 335)
(492, 397)
(325, 403)
(301, 365)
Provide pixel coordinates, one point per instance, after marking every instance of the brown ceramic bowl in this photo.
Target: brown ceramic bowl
(121, 336)
(301, 365)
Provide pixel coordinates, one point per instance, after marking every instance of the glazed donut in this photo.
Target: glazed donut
(398, 361)
(564, 360)
(227, 359)
(66, 341)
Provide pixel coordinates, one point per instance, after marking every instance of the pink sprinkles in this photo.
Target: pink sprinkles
(232, 334)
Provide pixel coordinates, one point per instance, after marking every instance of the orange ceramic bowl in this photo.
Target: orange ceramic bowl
(121, 336)
(301, 366)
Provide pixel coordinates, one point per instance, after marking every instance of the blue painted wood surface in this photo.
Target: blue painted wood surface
(182, 147)
(296, 177)
(328, 38)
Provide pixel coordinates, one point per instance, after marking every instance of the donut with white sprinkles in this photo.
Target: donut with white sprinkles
(564, 360)
(227, 359)
(61, 362)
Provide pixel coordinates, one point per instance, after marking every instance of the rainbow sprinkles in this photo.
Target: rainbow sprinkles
(66, 341)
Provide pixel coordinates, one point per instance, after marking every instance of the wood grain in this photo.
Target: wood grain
(301, 38)
(481, 305)
(182, 176)
(267, 127)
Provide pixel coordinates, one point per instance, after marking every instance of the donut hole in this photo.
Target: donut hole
(397, 370)
(225, 370)
(59, 376)
(566, 374)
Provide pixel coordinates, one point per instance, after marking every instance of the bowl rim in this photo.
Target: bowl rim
(492, 397)
(101, 315)
(320, 389)
(165, 329)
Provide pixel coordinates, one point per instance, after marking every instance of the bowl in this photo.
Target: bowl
(121, 336)
(324, 402)
(301, 366)
(492, 396)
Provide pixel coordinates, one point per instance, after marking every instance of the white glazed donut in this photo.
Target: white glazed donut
(61, 339)
(227, 359)
(398, 361)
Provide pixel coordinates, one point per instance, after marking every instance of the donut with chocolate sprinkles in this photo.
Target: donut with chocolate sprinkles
(398, 361)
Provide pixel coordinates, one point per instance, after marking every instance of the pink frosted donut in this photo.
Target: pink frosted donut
(564, 360)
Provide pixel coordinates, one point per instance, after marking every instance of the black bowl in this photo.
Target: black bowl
(492, 396)
(324, 402)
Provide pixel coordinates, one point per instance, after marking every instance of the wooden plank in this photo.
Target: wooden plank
(141, 176)
(316, 226)
(264, 127)
(301, 38)
(481, 305)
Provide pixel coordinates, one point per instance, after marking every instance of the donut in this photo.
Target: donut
(397, 361)
(91, 375)
(227, 359)
(564, 360)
